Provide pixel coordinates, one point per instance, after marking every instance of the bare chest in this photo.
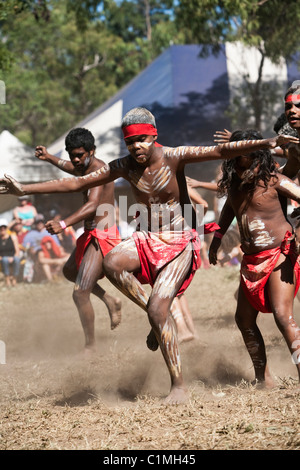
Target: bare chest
(261, 201)
(158, 183)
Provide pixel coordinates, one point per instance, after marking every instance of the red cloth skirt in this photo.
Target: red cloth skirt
(257, 268)
(106, 239)
(156, 250)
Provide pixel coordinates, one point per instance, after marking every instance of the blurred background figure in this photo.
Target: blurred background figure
(9, 254)
(67, 237)
(230, 249)
(32, 243)
(51, 258)
(25, 211)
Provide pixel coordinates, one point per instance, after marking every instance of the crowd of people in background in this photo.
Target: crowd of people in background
(30, 254)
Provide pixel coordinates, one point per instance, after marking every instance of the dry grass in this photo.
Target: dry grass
(52, 398)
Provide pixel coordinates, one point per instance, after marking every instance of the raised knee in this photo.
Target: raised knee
(156, 310)
(110, 265)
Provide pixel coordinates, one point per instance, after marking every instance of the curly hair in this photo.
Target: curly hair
(262, 159)
(80, 137)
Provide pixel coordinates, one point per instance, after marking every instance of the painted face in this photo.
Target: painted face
(81, 158)
(140, 147)
(292, 111)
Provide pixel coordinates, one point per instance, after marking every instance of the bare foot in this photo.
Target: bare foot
(183, 338)
(151, 341)
(267, 383)
(115, 313)
(89, 353)
(177, 395)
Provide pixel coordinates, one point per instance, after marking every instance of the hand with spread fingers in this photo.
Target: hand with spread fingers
(222, 137)
(8, 185)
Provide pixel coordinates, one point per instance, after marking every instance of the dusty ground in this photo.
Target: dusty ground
(53, 399)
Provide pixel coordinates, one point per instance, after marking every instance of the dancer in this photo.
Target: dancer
(270, 268)
(84, 266)
(165, 252)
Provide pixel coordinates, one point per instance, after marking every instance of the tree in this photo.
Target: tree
(271, 26)
(145, 23)
(62, 59)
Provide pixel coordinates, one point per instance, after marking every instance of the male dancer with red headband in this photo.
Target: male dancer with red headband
(165, 252)
(292, 112)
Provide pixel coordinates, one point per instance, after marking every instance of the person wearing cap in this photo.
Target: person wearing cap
(32, 243)
(9, 254)
(165, 252)
(25, 211)
(16, 227)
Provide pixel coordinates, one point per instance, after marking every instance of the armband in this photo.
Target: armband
(218, 235)
(63, 224)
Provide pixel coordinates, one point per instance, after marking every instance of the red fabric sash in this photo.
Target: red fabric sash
(211, 227)
(138, 129)
(156, 250)
(106, 239)
(257, 268)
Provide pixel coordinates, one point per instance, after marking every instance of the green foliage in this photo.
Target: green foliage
(62, 59)
(271, 26)
(263, 24)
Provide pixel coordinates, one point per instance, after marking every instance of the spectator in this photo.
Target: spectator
(32, 244)
(9, 254)
(25, 211)
(51, 257)
(231, 248)
(67, 237)
(16, 227)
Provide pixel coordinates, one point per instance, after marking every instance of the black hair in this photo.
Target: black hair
(261, 158)
(80, 137)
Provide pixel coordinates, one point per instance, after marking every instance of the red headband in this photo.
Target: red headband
(292, 97)
(139, 129)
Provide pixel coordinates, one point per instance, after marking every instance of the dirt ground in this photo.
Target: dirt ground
(53, 399)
